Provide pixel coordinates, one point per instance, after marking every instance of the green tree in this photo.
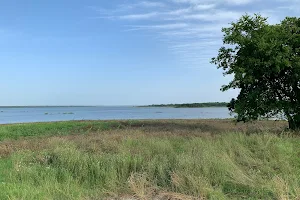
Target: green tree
(264, 61)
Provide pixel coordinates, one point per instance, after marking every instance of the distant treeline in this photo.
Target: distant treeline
(191, 105)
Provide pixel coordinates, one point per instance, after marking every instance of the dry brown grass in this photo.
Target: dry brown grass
(107, 141)
(208, 125)
(159, 160)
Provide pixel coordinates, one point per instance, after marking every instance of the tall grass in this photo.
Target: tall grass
(223, 166)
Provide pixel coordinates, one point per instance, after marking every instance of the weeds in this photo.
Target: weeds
(144, 163)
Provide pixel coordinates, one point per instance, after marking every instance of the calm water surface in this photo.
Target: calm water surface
(46, 114)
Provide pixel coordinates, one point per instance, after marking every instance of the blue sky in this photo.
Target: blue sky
(118, 52)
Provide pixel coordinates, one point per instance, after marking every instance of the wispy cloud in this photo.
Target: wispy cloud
(204, 6)
(174, 26)
(213, 15)
(139, 16)
(150, 4)
(197, 2)
(187, 1)
(192, 28)
(122, 8)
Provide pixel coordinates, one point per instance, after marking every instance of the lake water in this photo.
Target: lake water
(46, 114)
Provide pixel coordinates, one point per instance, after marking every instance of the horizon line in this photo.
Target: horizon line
(6, 106)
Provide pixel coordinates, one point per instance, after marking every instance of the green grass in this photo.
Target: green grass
(17, 131)
(144, 162)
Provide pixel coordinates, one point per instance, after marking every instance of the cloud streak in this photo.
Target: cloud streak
(191, 29)
(139, 16)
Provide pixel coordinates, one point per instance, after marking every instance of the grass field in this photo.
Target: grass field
(154, 159)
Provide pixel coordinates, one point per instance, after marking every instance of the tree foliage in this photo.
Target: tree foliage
(264, 61)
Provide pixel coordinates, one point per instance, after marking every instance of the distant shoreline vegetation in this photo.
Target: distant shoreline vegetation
(190, 105)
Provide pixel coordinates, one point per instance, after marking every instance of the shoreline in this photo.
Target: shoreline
(189, 105)
(179, 107)
(120, 120)
(143, 120)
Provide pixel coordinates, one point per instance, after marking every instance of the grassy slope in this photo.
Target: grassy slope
(187, 159)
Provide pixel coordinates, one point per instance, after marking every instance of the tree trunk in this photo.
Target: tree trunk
(294, 122)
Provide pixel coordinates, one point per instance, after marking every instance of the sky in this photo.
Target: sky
(119, 52)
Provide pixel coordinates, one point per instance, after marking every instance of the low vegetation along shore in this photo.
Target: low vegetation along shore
(165, 159)
(191, 105)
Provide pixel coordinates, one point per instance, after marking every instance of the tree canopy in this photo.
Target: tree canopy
(264, 61)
